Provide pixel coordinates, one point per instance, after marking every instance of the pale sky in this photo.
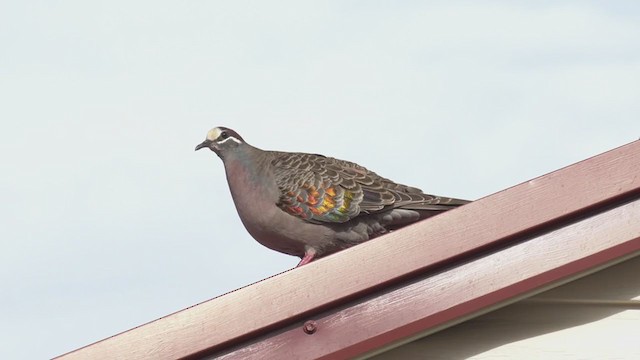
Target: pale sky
(109, 219)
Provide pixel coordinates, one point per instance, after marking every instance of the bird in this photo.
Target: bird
(309, 205)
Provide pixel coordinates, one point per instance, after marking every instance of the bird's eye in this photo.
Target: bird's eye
(224, 135)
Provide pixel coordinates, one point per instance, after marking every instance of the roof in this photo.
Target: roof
(417, 280)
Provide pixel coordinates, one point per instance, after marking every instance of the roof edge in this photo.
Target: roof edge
(525, 209)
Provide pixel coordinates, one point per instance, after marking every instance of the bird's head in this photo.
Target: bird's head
(221, 140)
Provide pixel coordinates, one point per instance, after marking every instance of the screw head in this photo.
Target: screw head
(310, 327)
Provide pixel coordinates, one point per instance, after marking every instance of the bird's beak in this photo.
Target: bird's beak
(204, 144)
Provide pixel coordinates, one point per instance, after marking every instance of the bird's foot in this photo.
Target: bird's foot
(309, 254)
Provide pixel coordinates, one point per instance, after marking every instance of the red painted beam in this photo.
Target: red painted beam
(256, 309)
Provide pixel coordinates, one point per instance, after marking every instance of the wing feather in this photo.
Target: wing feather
(321, 189)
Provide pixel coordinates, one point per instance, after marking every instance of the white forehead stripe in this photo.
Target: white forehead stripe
(213, 134)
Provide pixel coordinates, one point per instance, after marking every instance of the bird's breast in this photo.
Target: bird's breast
(256, 196)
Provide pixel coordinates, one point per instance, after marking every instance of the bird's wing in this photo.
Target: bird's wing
(326, 190)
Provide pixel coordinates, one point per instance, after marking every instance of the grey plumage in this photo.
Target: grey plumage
(310, 205)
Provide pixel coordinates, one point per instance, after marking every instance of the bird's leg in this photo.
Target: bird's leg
(308, 256)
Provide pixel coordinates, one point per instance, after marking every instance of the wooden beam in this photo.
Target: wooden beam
(465, 232)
